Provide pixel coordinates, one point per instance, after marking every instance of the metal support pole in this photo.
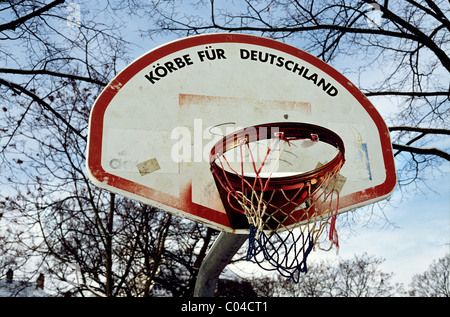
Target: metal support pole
(221, 253)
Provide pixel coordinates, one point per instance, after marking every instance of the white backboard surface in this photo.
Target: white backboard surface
(153, 126)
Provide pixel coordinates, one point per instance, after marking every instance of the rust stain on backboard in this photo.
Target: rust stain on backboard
(188, 99)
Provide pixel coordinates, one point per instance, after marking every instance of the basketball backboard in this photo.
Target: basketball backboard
(152, 128)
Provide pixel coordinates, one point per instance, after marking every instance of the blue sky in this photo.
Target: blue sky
(421, 233)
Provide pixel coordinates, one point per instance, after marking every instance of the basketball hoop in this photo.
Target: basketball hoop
(290, 185)
(286, 211)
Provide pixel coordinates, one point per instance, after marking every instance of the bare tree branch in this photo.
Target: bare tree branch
(420, 37)
(40, 101)
(51, 73)
(14, 24)
(425, 151)
(408, 93)
(421, 130)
